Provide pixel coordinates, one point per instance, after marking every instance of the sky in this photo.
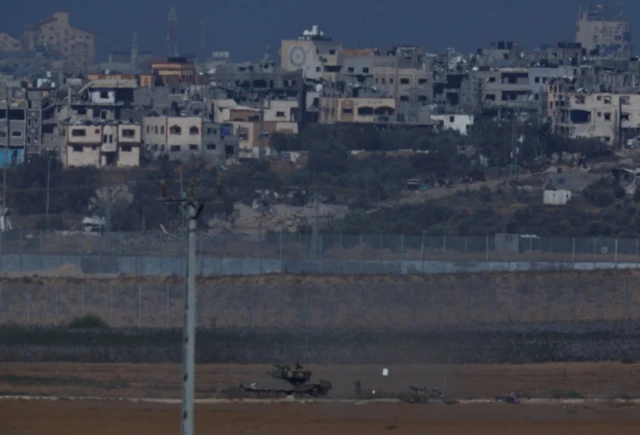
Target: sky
(249, 28)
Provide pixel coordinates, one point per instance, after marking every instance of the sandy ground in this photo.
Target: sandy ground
(80, 418)
(598, 380)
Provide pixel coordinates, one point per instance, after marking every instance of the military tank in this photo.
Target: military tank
(284, 381)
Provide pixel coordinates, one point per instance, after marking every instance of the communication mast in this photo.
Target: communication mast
(172, 33)
(203, 32)
(134, 50)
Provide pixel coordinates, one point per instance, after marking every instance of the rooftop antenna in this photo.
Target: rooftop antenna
(172, 33)
(134, 50)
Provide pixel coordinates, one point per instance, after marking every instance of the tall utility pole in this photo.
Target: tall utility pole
(48, 197)
(6, 161)
(191, 208)
(134, 50)
(261, 134)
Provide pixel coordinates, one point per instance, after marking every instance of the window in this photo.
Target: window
(625, 116)
(78, 132)
(77, 148)
(264, 135)
(350, 69)
(193, 147)
(332, 51)
(155, 130)
(537, 80)
(422, 81)
(104, 94)
(211, 146)
(194, 130)
(162, 129)
(607, 100)
(607, 116)
(175, 148)
(280, 114)
(347, 111)
(452, 119)
(148, 129)
(96, 131)
(405, 81)
(318, 69)
(125, 148)
(128, 132)
(16, 133)
(175, 130)
(365, 70)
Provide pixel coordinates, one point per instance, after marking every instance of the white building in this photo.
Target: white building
(459, 123)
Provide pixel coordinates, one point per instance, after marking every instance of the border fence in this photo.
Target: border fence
(394, 305)
(160, 254)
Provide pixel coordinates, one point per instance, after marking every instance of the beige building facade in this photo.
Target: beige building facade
(356, 110)
(103, 145)
(313, 53)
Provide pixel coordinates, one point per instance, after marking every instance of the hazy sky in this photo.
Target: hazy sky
(246, 27)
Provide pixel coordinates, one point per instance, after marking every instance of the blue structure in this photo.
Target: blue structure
(15, 157)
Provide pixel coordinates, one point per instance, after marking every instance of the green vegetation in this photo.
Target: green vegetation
(89, 321)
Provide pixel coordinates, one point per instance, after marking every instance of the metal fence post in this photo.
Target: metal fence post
(260, 248)
(599, 299)
(40, 250)
(487, 253)
(20, 243)
(299, 253)
(281, 308)
(111, 307)
(56, 305)
(626, 298)
(139, 306)
(168, 304)
(413, 306)
(574, 300)
(402, 268)
(252, 308)
(320, 239)
(29, 305)
(547, 313)
(444, 253)
(422, 253)
(361, 254)
(440, 304)
(281, 259)
(494, 309)
(224, 306)
(467, 304)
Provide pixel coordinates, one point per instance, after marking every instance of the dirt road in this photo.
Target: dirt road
(107, 418)
(221, 381)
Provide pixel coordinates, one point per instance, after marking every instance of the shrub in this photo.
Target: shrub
(89, 321)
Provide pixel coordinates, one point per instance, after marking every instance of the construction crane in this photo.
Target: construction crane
(172, 33)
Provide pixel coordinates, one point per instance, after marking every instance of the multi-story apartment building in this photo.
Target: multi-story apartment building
(57, 34)
(175, 70)
(25, 122)
(602, 35)
(102, 144)
(357, 110)
(187, 137)
(610, 117)
(313, 53)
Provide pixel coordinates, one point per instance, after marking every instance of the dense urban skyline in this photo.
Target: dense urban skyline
(463, 24)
